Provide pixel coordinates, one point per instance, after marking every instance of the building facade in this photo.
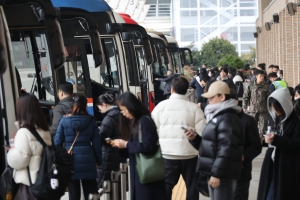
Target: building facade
(199, 21)
(280, 43)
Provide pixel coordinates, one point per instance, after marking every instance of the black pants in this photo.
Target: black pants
(89, 187)
(242, 191)
(187, 168)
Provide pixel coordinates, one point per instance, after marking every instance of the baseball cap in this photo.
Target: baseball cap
(218, 87)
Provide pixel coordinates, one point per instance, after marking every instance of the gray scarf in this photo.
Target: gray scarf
(212, 109)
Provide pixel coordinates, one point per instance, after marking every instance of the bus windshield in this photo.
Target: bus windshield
(36, 74)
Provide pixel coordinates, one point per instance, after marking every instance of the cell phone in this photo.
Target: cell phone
(107, 139)
(6, 146)
(184, 128)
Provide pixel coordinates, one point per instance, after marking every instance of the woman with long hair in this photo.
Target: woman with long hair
(280, 177)
(135, 116)
(27, 150)
(109, 129)
(81, 129)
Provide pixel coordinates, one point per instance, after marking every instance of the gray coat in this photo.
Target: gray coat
(168, 80)
(62, 108)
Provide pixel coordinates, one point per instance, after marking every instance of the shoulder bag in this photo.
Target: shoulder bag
(150, 167)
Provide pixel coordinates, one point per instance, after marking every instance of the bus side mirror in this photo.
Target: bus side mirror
(97, 47)
(55, 42)
(3, 49)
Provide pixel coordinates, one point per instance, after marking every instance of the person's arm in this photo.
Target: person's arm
(232, 86)
(57, 115)
(149, 139)
(252, 136)
(192, 84)
(19, 156)
(272, 88)
(196, 142)
(287, 144)
(59, 138)
(107, 128)
(200, 121)
(225, 141)
(246, 97)
(96, 144)
(155, 116)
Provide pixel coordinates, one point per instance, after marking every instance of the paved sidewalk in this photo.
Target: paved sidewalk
(257, 163)
(256, 167)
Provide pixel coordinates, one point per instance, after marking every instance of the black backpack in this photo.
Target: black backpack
(239, 88)
(55, 171)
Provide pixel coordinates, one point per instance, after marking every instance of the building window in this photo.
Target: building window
(188, 3)
(247, 33)
(208, 3)
(211, 32)
(189, 35)
(248, 12)
(231, 34)
(189, 17)
(245, 47)
(228, 3)
(160, 9)
(248, 3)
(208, 17)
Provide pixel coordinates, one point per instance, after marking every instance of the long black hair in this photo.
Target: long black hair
(135, 107)
(79, 105)
(106, 98)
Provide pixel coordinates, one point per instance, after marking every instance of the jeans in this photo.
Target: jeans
(187, 168)
(242, 190)
(225, 191)
(271, 191)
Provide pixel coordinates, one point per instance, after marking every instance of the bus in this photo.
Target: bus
(21, 54)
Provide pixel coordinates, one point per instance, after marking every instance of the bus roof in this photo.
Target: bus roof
(88, 5)
(128, 19)
(171, 40)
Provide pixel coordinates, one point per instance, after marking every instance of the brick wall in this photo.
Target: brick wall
(280, 45)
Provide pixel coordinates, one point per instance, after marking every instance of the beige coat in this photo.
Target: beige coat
(27, 152)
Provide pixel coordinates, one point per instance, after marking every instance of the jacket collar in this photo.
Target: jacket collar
(178, 96)
(67, 99)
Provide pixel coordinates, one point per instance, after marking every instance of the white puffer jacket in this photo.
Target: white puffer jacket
(169, 116)
(27, 152)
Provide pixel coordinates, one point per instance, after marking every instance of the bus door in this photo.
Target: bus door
(32, 60)
(140, 55)
(131, 67)
(160, 70)
(8, 89)
(184, 52)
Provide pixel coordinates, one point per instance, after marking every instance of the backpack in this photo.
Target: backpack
(55, 171)
(239, 88)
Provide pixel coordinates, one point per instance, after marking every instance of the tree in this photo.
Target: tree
(231, 61)
(249, 58)
(215, 50)
(196, 56)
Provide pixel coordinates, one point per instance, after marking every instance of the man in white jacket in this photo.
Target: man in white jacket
(179, 155)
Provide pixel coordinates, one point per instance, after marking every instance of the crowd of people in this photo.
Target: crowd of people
(210, 144)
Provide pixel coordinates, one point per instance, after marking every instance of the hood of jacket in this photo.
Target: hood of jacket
(237, 78)
(78, 122)
(211, 110)
(283, 97)
(113, 111)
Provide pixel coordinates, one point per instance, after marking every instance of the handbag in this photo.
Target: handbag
(8, 187)
(150, 167)
(71, 147)
(162, 85)
(202, 184)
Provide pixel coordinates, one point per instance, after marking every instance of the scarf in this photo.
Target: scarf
(212, 109)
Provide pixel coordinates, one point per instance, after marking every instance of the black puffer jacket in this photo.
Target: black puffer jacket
(221, 147)
(110, 156)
